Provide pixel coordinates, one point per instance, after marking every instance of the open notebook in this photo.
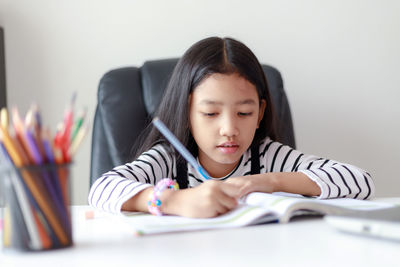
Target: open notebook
(256, 208)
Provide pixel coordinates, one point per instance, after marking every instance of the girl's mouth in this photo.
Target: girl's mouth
(228, 147)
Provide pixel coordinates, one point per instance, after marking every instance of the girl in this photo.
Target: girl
(218, 105)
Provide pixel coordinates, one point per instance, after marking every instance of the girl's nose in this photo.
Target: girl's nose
(229, 126)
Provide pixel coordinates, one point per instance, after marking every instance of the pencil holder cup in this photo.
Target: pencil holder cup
(36, 213)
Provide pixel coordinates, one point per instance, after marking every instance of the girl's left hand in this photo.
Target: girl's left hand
(291, 182)
(253, 183)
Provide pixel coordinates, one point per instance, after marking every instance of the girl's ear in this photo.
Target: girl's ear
(261, 112)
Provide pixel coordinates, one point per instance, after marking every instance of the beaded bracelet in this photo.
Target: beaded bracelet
(155, 202)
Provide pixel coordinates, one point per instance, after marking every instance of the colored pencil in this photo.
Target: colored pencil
(38, 217)
(78, 139)
(180, 147)
(78, 124)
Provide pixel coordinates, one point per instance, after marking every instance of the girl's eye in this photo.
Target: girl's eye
(245, 113)
(209, 114)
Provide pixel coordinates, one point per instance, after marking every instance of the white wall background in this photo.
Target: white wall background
(340, 61)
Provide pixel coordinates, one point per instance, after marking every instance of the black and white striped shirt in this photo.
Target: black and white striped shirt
(335, 179)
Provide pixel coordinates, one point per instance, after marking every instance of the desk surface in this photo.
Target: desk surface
(306, 242)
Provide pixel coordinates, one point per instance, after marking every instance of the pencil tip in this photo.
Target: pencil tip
(73, 98)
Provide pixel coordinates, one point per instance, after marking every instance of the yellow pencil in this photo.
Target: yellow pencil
(4, 118)
(7, 227)
(78, 139)
(13, 148)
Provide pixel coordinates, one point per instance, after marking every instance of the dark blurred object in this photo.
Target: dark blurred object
(3, 95)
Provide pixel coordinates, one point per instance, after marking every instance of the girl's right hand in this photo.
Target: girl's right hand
(210, 199)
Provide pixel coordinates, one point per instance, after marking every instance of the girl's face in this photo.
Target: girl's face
(225, 112)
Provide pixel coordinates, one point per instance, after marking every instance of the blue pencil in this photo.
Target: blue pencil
(181, 148)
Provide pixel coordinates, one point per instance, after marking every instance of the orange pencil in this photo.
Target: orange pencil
(57, 155)
(63, 178)
(19, 128)
(44, 236)
(57, 144)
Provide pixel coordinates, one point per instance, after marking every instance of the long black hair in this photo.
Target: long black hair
(204, 58)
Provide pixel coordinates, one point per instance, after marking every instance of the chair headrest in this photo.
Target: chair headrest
(155, 76)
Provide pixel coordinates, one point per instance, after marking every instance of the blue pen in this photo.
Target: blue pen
(181, 148)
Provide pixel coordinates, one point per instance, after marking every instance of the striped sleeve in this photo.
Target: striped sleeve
(335, 179)
(113, 188)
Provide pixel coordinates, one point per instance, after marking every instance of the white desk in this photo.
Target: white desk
(308, 242)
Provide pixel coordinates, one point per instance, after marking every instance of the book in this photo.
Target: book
(255, 208)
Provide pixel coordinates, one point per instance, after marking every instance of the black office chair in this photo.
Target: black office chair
(127, 97)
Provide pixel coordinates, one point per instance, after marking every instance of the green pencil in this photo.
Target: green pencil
(78, 123)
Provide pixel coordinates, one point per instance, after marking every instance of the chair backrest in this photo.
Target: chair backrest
(127, 97)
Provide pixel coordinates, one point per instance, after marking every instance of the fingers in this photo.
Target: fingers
(240, 186)
(210, 199)
(222, 202)
(226, 200)
(231, 189)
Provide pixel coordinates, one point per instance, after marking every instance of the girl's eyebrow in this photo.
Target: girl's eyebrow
(219, 103)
